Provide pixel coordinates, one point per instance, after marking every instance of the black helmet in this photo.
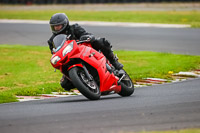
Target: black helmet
(59, 19)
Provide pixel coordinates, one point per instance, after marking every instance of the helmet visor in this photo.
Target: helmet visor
(58, 27)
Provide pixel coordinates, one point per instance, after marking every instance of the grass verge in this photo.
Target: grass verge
(175, 131)
(165, 17)
(26, 70)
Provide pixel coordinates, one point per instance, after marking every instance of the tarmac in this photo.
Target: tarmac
(98, 23)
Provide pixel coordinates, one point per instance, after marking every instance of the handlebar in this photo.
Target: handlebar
(78, 42)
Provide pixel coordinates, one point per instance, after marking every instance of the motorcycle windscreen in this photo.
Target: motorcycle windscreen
(59, 41)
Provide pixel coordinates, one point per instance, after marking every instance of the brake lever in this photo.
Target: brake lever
(68, 37)
(88, 40)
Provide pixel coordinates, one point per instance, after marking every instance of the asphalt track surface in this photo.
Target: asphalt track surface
(171, 40)
(160, 107)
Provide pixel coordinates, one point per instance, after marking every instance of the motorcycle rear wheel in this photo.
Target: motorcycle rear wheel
(127, 86)
(88, 88)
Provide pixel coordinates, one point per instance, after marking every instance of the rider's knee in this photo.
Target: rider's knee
(66, 84)
(101, 44)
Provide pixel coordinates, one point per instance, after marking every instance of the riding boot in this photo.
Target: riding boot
(114, 61)
(105, 47)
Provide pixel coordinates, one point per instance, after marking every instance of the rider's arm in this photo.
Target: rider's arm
(80, 32)
(50, 43)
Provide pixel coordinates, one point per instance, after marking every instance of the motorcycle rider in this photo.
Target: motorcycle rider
(59, 24)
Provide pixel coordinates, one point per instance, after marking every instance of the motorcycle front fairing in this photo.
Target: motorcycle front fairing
(60, 56)
(70, 50)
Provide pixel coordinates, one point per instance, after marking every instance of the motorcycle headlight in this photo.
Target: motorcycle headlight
(55, 59)
(67, 49)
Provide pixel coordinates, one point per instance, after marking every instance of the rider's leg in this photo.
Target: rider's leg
(105, 47)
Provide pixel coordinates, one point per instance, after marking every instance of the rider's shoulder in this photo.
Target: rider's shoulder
(75, 26)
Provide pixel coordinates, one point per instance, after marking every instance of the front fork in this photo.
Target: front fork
(87, 73)
(84, 68)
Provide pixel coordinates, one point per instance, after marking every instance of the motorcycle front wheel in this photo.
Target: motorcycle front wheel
(87, 87)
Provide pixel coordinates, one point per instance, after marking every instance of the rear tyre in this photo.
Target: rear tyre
(127, 86)
(88, 88)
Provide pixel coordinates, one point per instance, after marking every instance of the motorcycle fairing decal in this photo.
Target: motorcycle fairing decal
(87, 49)
(116, 88)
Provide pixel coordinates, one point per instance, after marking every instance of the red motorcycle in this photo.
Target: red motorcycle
(89, 70)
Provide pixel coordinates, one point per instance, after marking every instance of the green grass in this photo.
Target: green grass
(175, 131)
(165, 17)
(26, 70)
(143, 64)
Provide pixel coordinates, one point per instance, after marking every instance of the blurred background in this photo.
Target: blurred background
(29, 2)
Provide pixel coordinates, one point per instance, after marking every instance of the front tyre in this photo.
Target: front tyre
(88, 88)
(127, 86)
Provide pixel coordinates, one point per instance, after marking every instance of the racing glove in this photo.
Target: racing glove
(91, 38)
